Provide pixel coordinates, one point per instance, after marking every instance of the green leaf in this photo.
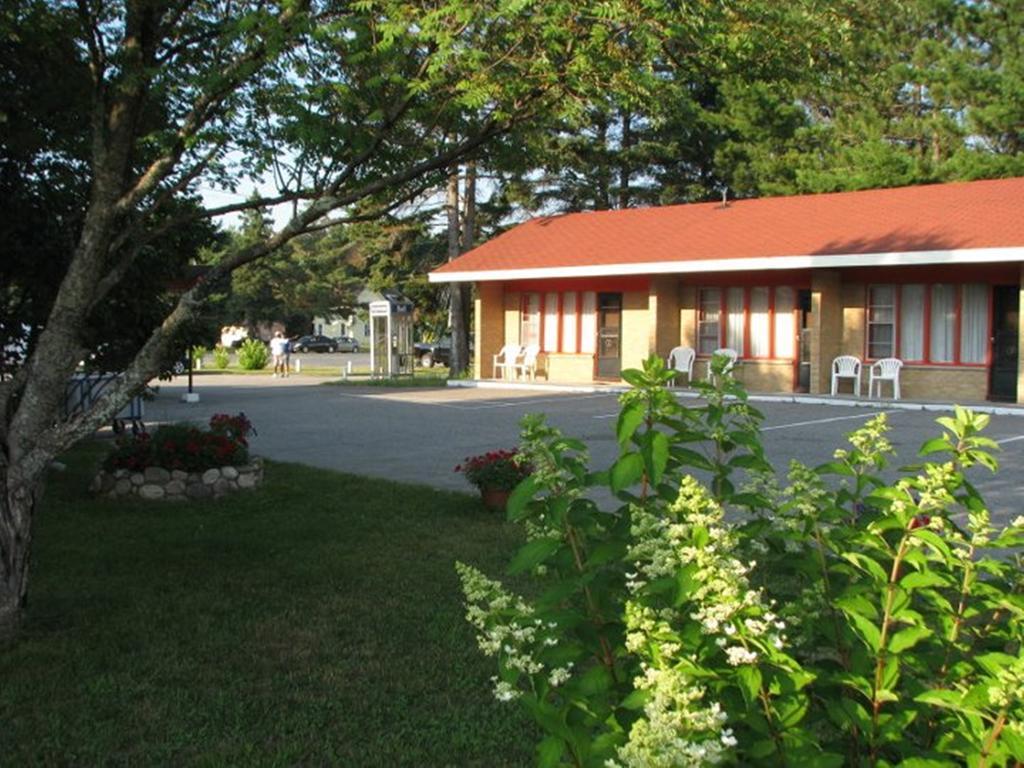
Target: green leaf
(627, 471)
(919, 579)
(521, 495)
(868, 565)
(636, 699)
(947, 700)
(533, 554)
(834, 468)
(691, 458)
(748, 678)
(655, 454)
(908, 638)
(630, 418)
(549, 752)
(935, 445)
(596, 680)
(866, 629)
(792, 710)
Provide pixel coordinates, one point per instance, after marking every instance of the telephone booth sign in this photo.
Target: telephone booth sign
(391, 350)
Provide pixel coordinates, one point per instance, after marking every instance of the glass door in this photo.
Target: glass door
(1005, 324)
(609, 335)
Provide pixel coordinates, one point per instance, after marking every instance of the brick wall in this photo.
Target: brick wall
(1020, 338)
(488, 326)
(663, 305)
(636, 333)
(938, 383)
(564, 367)
(826, 323)
(764, 375)
(688, 315)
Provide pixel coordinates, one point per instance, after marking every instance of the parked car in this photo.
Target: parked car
(314, 343)
(431, 353)
(347, 344)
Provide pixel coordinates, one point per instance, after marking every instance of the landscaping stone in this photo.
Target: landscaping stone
(157, 483)
(157, 475)
(150, 491)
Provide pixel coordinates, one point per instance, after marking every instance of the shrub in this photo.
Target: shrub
(184, 446)
(221, 357)
(198, 353)
(253, 355)
(836, 620)
(501, 470)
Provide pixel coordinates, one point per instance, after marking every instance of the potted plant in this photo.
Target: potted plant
(496, 474)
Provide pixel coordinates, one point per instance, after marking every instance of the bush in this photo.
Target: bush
(840, 620)
(253, 355)
(198, 353)
(221, 357)
(184, 447)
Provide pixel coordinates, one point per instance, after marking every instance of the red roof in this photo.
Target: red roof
(938, 217)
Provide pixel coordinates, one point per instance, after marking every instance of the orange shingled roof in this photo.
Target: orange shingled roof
(938, 217)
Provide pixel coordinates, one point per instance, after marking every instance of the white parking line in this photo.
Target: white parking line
(1010, 439)
(483, 405)
(824, 421)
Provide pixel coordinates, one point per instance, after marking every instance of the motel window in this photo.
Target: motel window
(588, 323)
(912, 322)
(569, 322)
(757, 322)
(939, 323)
(551, 322)
(708, 314)
(785, 324)
(881, 321)
(760, 323)
(529, 329)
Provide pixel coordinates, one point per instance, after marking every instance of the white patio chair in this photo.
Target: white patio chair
(846, 367)
(506, 360)
(527, 365)
(886, 369)
(680, 359)
(732, 354)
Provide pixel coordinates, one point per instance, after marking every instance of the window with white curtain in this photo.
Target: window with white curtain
(734, 319)
(588, 323)
(881, 321)
(973, 323)
(912, 322)
(760, 323)
(529, 329)
(943, 323)
(550, 322)
(785, 324)
(569, 322)
(708, 317)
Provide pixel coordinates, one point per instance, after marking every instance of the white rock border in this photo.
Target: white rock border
(159, 484)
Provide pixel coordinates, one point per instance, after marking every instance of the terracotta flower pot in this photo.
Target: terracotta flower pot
(495, 499)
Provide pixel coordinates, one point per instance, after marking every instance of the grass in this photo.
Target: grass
(316, 621)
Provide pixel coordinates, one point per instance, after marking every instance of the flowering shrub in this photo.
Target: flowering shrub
(833, 619)
(501, 470)
(184, 447)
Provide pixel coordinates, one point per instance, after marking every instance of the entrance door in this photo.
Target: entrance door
(609, 335)
(803, 373)
(1005, 324)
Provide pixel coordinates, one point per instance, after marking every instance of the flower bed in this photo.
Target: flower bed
(181, 461)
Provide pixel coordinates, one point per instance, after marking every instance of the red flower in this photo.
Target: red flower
(920, 521)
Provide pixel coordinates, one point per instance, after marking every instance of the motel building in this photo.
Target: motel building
(931, 275)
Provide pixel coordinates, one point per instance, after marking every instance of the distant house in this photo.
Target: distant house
(929, 274)
(354, 324)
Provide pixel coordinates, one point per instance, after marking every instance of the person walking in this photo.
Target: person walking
(287, 357)
(278, 345)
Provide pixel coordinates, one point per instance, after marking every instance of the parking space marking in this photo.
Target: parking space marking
(482, 405)
(1010, 439)
(824, 421)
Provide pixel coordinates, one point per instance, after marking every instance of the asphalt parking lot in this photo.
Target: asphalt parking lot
(418, 435)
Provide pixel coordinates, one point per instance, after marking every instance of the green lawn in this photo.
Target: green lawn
(317, 621)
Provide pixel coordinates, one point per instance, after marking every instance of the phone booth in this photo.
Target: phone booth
(391, 350)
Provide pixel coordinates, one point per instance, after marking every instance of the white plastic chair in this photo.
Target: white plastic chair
(732, 354)
(886, 369)
(506, 360)
(527, 366)
(680, 359)
(846, 367)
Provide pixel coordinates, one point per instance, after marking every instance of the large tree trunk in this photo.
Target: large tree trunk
(459, 294)
(17, 504)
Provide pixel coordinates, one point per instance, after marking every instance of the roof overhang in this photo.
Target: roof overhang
(760, 264)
